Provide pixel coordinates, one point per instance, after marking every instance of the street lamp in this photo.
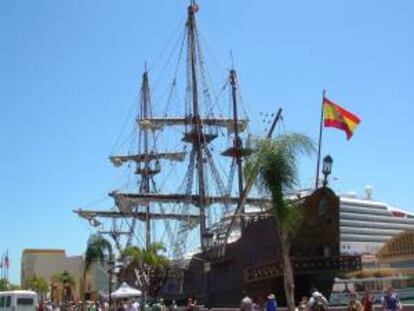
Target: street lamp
(208, 242)
(208, 239)
(207, 269)
(326, 168)
(111, 279)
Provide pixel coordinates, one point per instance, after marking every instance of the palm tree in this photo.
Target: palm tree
(97, 250)
(150, 262)
(275, 165)
(37, 284)
(54, 281)
(66, 281)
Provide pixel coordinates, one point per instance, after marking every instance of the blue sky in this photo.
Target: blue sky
(70, 73)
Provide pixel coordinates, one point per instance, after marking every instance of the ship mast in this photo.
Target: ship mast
(145, 181)
(197, 126)
(147, 162)
(237, 142)
(200, 128)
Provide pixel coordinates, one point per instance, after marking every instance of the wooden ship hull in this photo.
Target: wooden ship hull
(253, 265)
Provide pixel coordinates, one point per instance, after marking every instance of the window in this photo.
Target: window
(2, 299)
(326, 251)
(8, 301)
(25, 301)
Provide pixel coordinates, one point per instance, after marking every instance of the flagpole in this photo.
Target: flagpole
(320, 141)
(3, 268)
(8, 265)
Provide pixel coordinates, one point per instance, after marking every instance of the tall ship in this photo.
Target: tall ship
(186, 188)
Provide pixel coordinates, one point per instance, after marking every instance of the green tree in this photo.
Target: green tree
(276, 166)
(6, 285)
(97, 250)
(54, 283)
(68, 283)
(65, 281)
(37, 284)
(150, 262)
(150, 256)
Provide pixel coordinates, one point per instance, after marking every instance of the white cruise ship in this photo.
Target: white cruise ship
(366, 224)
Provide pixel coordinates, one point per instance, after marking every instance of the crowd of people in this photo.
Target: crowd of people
(317, 302)
(117, 305)
(121, 305)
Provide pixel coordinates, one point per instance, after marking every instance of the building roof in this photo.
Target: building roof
(400, 246)
(43, 251)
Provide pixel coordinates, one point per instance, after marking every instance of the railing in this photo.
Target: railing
(275, 268)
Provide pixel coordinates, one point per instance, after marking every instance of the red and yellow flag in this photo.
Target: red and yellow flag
(337, 117)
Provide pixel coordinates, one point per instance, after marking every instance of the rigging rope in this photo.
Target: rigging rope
(162, 51)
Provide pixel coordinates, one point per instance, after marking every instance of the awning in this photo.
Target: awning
(125, 291)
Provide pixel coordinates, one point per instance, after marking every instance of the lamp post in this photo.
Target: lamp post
(207, 268)
(143, 276)
(326, 169)
(110, 288)
(111, 263)
(113, 275)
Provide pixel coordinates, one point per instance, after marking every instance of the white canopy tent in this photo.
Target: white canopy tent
(125, 291)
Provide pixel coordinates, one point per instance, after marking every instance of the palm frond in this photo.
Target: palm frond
(275, 164)
(97, 249)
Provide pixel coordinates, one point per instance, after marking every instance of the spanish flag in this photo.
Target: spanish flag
(337, 117)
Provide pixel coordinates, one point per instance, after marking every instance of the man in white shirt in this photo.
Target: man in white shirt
(134, 306)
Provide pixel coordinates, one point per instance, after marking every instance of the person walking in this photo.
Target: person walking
(367, 301)
(258, 304)
(246, 304)
(132, 306)
(271, 304)
(303, 304)
(317, 302)
(390, 301)
(93, 307)
(135, 304)
(191, 305)
(49, 306)
(354, 304)
(174, 306)
(120, 306)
